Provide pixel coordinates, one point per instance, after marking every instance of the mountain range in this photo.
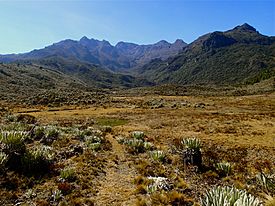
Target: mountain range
(238, 56)
(121, 56)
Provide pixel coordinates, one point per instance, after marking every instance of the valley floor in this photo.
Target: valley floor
(239, 130)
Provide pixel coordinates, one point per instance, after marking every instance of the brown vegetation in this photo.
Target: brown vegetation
(238, 130)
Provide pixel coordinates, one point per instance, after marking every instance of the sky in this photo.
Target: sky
(34, 24)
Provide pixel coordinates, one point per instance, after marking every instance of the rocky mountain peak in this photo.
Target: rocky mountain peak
(245, 27)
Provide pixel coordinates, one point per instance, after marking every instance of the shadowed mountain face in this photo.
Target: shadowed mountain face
(102, 53)
(240, 55)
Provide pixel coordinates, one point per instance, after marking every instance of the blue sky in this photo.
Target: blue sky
(28, 25)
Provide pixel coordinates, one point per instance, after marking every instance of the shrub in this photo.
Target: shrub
(224, 168)
(226, 196)
(178, 199)
(64, 187)
(158, 155)
(10, 118)
(107, 129)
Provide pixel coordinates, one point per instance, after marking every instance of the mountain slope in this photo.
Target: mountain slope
(92, 75)
(232, 57)
(56, 74)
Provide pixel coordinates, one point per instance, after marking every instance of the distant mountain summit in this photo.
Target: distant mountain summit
(139, 55)
(245, 27)
(120, 57)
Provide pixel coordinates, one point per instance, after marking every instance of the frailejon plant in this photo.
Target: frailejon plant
(39, 133)
(52, 133)
(266, 181)
(57, 195)
(192, 143)
(158, 183)
(136, 145)
(224, 168)
(120, 140)
(148, 145)
(94, 146)
(93, 142)
(93, 139)
(88, 132)
(226, 196)
(158, 155)
(37, 159)
(138, 135)
(3, 160)
(13, 142)
(47, 135)
(68, 174)
(192, 152)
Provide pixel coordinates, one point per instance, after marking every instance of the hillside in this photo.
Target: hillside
(20, 81)
(240, 55)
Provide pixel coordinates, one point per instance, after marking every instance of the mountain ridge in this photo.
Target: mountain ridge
(102, 53)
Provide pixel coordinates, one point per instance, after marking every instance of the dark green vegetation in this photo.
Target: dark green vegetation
(237, 56)
(110, 122)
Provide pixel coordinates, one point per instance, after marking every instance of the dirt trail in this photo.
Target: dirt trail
(117, 189)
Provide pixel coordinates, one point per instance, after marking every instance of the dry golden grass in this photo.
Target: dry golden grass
(235, 129)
